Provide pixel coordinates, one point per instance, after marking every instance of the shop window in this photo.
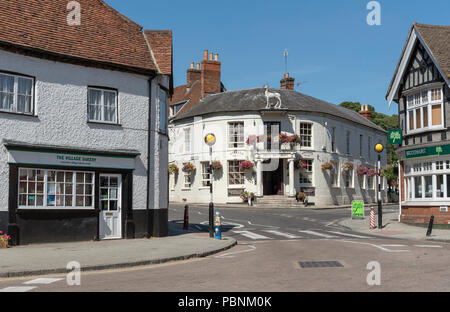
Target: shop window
(16, 94)
(306, 174)
(428, 186)
(102, 105)
(55, 188)
(235, 173)
(417, 187)
(440, 186)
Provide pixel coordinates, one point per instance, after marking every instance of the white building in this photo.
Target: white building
(329, 134)
(83, 139)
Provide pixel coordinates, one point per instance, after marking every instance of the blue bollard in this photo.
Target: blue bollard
(218, 226)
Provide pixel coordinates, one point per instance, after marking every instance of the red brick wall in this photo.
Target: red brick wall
(418, 214)
(210, 77)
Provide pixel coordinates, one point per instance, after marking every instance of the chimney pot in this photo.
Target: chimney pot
(216, 57)
(198, 66)
(192, 65)
(206, 55)
(210, 56)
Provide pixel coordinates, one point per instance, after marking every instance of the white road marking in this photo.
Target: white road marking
(290, 236)
(392, 245)
(318, 234)
(373, 245)
(428, 246)
(251, 235)
(18, 289)
(43, 281)
(231, 254)
(347, 234)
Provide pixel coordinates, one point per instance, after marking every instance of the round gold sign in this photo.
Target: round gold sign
(210, 139)
(379, 148)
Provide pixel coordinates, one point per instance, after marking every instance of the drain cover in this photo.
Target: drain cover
(321, 264)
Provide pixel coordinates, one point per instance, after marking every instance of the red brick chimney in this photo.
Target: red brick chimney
(210, 74)
(287, 83)
(193, 74)
(365, 112)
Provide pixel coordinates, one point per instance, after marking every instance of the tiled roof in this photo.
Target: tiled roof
(193, 96)
(105, 36)
(251, 100)
(161, 45)
(437, 40)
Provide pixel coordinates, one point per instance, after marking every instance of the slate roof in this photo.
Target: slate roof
(437, 39)
(254, 100)
(104, 37)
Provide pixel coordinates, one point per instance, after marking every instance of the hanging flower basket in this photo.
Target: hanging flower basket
(347, 167)
(188, 168)
(327, 166)
(246, 165)
(173, 169)
(284, 138)
(371, 173)
(216, 166)
(4, 240)
(362, 170)
(301, 164)
(294, 139)
(252, 139)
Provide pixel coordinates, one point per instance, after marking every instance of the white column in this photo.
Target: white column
(291, 178)
(259, 180)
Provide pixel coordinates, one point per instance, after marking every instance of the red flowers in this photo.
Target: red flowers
(246, 165)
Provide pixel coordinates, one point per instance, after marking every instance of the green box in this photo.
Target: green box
(395, 137)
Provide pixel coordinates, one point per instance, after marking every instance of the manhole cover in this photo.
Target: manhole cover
(321, 264)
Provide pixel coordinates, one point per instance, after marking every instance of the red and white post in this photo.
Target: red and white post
(372, 218)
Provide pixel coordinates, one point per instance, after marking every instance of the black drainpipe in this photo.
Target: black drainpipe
(149, 224)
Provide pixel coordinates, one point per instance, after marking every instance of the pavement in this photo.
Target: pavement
(394, 229)
(41, 259)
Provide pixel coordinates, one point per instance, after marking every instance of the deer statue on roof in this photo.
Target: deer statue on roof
(270, 95)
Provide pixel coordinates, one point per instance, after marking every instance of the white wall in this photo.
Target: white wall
(61, 115)
(253, 125)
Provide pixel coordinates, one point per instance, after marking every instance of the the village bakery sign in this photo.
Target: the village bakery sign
(49, 158)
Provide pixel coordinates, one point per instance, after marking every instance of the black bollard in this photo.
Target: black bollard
(430, 226)
(186, 218)
(211, 220)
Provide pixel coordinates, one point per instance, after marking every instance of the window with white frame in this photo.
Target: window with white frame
(55, 188)
(305, 134)
(206, 174)
(334, 174)
(102, 105)
(428, 180)
(16, 94)
(187, 140)
(424, 110)
(235, 173)
(306, 173)
(187, 179)
(163, 107)
(236, 135)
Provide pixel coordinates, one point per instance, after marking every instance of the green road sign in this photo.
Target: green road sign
(395, 137)
(358, 208)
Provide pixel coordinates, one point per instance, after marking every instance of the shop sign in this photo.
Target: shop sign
(428, 151)
(70, 160)
(395, 137)
(357, 209)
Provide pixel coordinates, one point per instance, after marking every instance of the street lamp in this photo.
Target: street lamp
(210, 140)
(379, 148)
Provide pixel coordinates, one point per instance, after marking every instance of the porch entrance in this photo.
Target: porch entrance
(273, 180)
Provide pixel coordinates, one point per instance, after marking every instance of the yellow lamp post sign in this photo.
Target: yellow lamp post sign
(210, 139)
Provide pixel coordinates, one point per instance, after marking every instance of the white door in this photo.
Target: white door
(110, 205)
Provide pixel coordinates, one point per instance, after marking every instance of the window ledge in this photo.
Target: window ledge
(32, 115)
(104, 123)
(204, 188)
(186, 189)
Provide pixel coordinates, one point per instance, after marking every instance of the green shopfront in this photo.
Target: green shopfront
(65, 194)
(425, 174)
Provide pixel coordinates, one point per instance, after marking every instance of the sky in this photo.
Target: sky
(333, 52)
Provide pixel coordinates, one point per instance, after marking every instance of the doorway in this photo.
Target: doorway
(110, 204)
(273, 180)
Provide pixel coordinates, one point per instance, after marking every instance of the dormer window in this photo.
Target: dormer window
(16, 94)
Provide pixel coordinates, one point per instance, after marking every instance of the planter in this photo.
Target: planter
(246, 165)
(3, 244)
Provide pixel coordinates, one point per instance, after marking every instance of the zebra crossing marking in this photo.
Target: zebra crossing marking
(291, 236)
(318, 234)
(348, 234)
(251, 235)
(17, 289)
(43, 281)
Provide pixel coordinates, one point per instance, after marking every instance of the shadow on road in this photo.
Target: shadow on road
(176, 228)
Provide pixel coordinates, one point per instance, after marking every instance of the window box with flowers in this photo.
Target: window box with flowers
(246, 165)
(4, 240)
(288, 142)
(173, 169)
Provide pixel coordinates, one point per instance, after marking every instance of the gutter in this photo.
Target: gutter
(150, 81)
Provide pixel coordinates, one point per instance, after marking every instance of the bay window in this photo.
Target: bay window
(102, 105)
(425, 110)
(16, 94)
(427, 181)
(45, 188)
